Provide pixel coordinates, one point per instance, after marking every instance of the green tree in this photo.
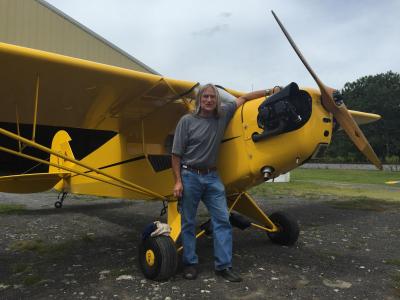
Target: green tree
(378, 94)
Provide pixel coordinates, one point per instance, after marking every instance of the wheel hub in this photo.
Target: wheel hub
(150, 257)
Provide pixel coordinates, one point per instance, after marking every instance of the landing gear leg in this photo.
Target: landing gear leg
(61, 197)
(158, 256)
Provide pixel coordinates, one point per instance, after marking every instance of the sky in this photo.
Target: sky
(238, 44)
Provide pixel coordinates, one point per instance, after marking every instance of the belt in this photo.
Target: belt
(198, 170)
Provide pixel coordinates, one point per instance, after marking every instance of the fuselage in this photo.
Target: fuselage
(241, 159)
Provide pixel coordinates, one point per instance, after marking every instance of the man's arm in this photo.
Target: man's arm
(176, 169)
(256, 94)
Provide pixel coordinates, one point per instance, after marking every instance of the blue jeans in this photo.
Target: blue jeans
(211, 191)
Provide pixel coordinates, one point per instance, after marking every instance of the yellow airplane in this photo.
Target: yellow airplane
(393, 182)
(266, 138)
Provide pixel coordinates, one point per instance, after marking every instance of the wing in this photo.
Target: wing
(43, 88)
(362, 118)
(77, 93)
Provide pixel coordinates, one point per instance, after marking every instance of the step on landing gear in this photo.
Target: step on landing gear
(61, 197)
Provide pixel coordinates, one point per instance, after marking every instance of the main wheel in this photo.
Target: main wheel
(288, 229)
(158, 258)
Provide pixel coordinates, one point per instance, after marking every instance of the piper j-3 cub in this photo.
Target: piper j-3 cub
(266, 138)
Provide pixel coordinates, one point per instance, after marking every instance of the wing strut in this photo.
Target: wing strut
(67, 169)
(36, 107)
(18, 129)
(122, 182)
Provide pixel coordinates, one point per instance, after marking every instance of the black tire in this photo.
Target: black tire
(58, 204)
(158, 258)
(288, 229)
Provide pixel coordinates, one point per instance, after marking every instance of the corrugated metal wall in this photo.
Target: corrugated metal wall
(36, 24)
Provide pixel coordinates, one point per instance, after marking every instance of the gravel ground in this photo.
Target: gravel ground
(88, 250)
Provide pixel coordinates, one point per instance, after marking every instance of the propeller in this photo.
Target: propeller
(338, 109)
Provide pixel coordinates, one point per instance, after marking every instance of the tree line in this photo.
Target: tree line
(379, 94)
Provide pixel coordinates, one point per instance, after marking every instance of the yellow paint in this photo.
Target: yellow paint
(18, 130)
(70, 170)
(143, 109)
(265, 228)
(247, 206)
(59, 155)
(150, 257)
(135, 149)
(362, 118)
(139, 171)
(240, 159)
(392, 182)
(80, 93)
(36, 108)
(30, 183)
(244, 204)
(60, 144)
(234, 200)
(285, 151)
(174, 220)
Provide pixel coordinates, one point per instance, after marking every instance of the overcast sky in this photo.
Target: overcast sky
(238, 44)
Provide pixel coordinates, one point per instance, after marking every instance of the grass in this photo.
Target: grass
(355, 185)
(364, 203)
(32, 279)
(396, 283)
(88, 238)
(39, 247)
(26, 273)
(21, 268)
(11, 208)
(350, 176)
(393, 262)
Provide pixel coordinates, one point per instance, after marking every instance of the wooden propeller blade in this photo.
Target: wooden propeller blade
(340, 112)
(303, 60)
(344, 118)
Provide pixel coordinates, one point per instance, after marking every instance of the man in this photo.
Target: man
(194, 159)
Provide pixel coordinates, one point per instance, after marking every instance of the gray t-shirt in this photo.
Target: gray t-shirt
(197, 139)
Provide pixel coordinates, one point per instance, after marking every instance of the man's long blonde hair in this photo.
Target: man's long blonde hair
(218, 110)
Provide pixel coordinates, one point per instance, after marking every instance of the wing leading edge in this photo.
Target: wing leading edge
(79, 93)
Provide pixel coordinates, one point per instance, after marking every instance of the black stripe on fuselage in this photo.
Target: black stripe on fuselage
(229, 139)
(141, 157)
(123, 162)
(117, 164)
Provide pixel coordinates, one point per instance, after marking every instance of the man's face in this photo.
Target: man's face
(208, 101)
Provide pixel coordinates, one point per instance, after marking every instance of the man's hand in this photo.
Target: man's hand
(276, 89)
(178, 189)
(176, 168)
(257, 94)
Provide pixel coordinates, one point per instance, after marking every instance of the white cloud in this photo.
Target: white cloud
(239, 45)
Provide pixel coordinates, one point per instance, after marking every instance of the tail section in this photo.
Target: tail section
(30, 183)
(61, 145)
(39, 182)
